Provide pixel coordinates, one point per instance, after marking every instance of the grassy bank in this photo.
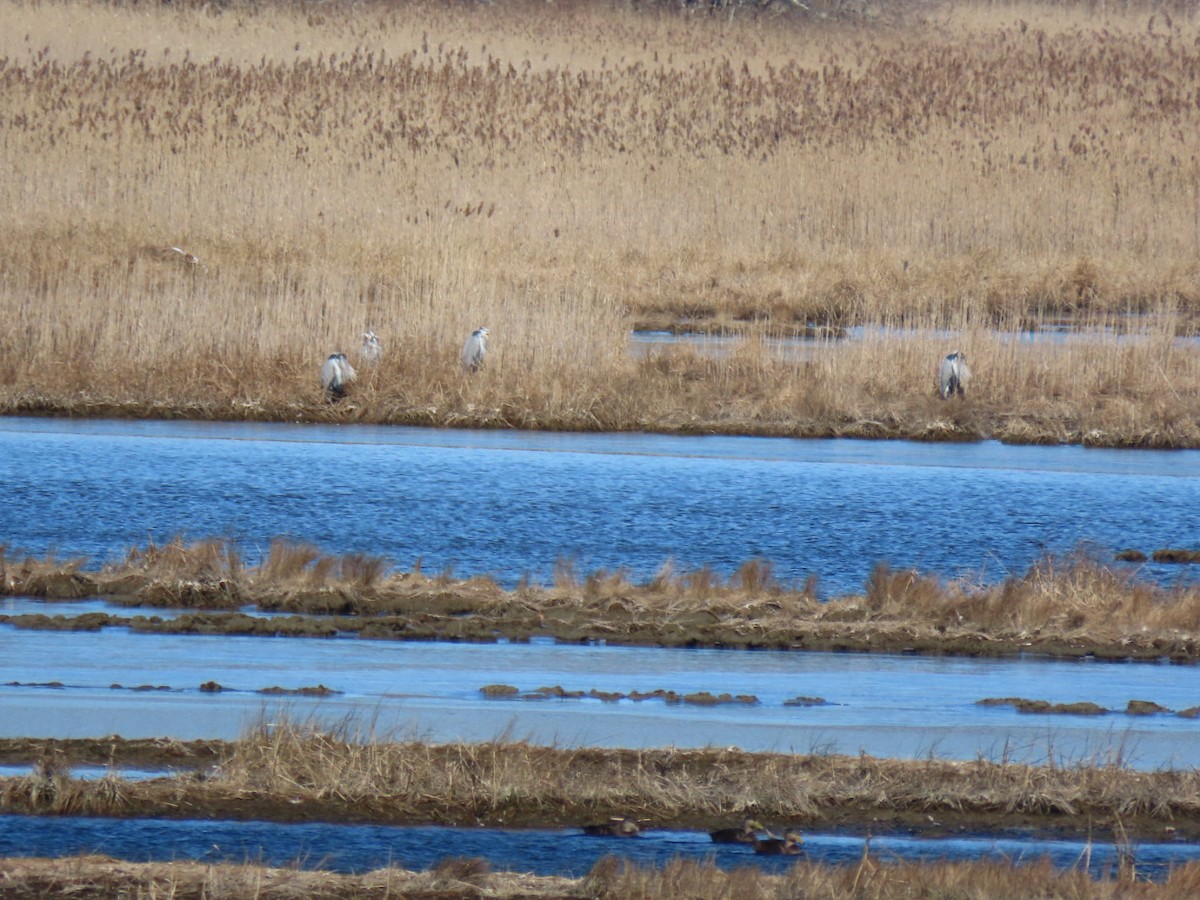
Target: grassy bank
(1072, 606)
(610, 879)
(424, 168)
(343, 772)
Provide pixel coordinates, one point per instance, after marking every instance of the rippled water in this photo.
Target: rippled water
(360, 848)
(510, 504)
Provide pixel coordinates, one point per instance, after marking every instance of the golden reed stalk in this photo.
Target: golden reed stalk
(420, 170)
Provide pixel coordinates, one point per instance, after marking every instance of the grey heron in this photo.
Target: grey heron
(370, 350)
(475, 349)
(335, 375)
(954, 375)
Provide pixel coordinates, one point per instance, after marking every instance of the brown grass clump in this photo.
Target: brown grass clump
(208, 201)
(203, 573)
(52, 578)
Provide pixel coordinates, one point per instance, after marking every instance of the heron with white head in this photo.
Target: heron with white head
(954, 375)
(336, 374)
(475, 349)
(370, 350)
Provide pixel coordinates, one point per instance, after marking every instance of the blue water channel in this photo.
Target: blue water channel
(513, 504)
(362, 848)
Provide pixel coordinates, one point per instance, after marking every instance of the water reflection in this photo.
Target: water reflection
(89, 772)
(511, 504)
(362, 848)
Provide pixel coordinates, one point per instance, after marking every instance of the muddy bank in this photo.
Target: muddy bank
(581, 627)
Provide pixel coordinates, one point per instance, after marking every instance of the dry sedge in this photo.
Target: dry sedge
(206, 202)
(296, 770)
(1067, 606)
(610, 879)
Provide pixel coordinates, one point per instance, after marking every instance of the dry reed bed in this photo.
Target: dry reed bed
(610, 879)
(1072, 606)
(308, 771)
(420, 170)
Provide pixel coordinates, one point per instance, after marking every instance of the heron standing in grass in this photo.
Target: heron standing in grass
(335, 375)
(954, 375)
(370, 350)
(475, 349)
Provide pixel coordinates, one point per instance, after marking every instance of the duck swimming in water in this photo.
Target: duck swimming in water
(747, 834)
(788, 845)
(617, 826)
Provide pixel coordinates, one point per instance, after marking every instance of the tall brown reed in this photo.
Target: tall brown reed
(421, 172)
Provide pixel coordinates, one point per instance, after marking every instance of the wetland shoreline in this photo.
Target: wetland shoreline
(924, 419)
(297, 772)
(609, 879)
(1072, 607)
(476, 169)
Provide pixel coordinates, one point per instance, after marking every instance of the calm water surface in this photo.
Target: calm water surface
(141, 685)
(361, 848)
(511, 504)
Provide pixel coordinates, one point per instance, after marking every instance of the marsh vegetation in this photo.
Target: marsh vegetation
(203, 201)
(304, 770)
(212, 199)
(1062, 606)
(610, 879)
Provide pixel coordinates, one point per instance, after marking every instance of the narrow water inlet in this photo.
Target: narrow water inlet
(568, 852)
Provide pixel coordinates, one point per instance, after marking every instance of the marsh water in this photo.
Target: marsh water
(513, 505)
(80, 684)
(361, 848)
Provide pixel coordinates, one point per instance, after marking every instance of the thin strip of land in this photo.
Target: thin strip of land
(307, 771)
(1071, 606)
(610, 879)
